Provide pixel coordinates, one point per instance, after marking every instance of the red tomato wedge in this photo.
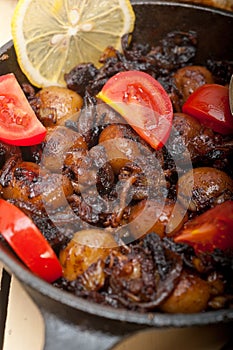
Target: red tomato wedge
(19, 125)
(28, 242)
(212, 229)
(210, 105)
(143, 103)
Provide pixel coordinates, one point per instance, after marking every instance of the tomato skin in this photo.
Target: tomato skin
(28, 242)
(210, 105)
(211, 230)
(19, 125)
(143, 103)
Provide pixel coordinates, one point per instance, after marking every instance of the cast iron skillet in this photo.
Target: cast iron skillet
(74, 323)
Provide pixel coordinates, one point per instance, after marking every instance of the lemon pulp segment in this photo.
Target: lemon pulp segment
(53, 36)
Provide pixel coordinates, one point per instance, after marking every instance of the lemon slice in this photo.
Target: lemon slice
(53, 36)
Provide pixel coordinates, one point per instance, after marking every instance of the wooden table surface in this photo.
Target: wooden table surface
(24, 326)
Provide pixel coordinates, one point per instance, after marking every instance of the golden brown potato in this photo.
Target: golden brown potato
(57, 104)
(22, 182)
(203, 187)
(197, 139)
(119, 149)
(29, 185)
(163, 220)
(60, 141)
(76, 153)
(112, 132)
(86, 247)
(189, 296)
(55, 189)
(188, 79)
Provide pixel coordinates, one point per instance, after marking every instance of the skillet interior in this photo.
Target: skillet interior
(154, 20)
